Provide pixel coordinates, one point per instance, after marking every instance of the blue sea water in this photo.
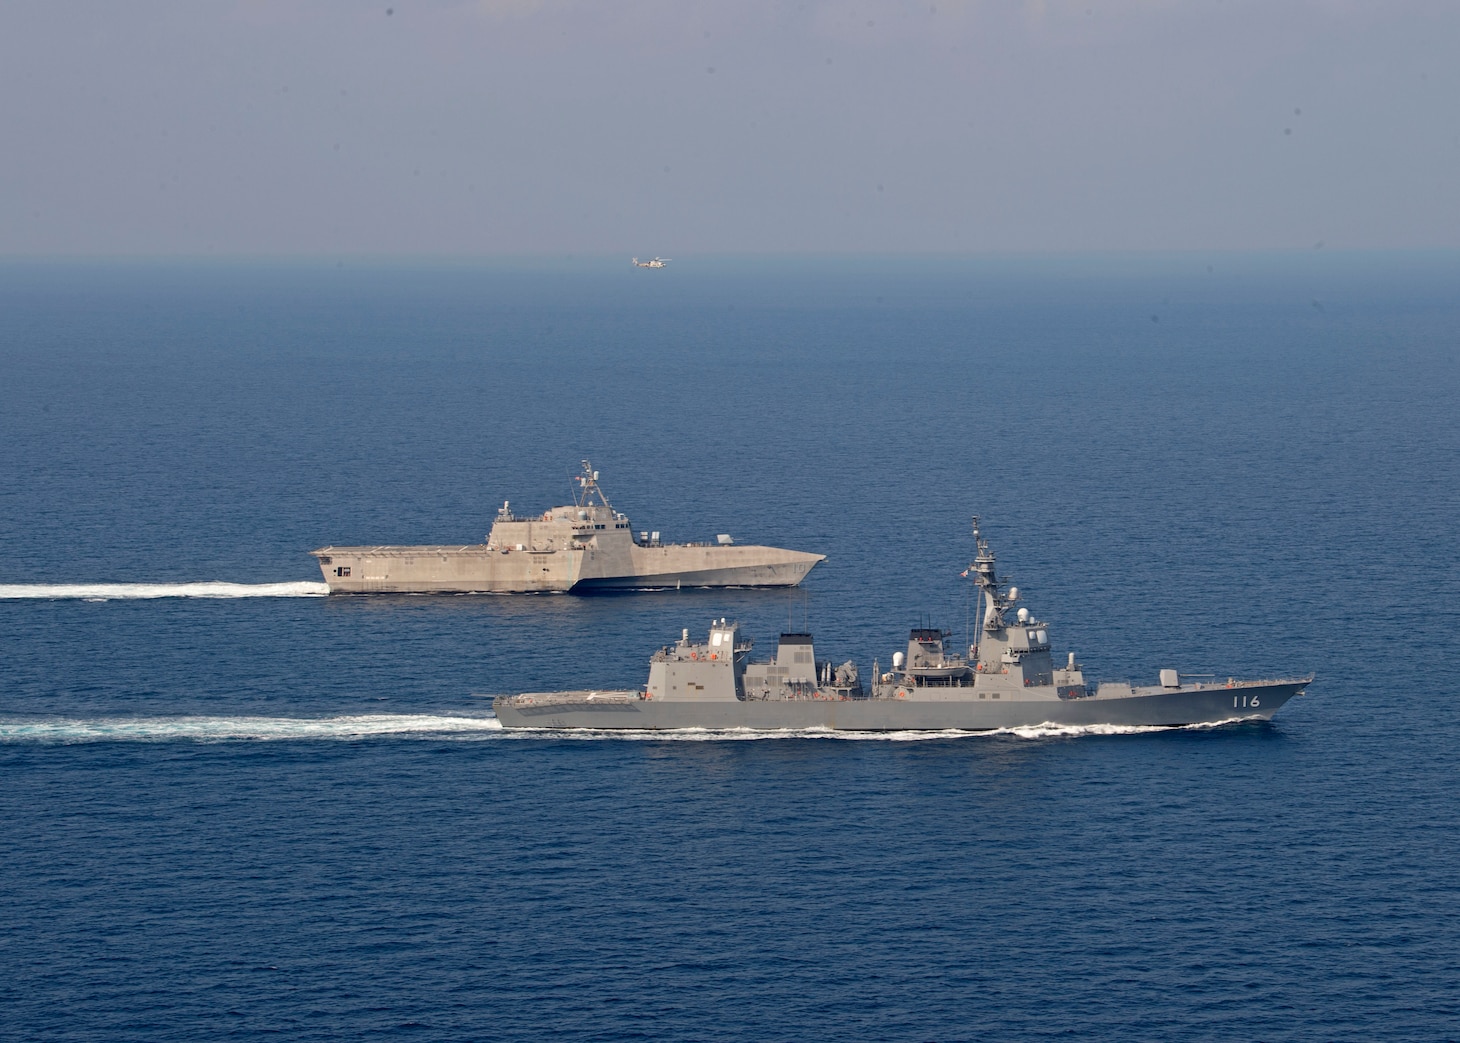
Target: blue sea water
(230, 817)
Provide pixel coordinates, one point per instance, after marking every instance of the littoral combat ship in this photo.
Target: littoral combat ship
(1008, 679)
(581, 547)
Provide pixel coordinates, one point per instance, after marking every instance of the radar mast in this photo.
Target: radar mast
(988, 582)
(588, 488)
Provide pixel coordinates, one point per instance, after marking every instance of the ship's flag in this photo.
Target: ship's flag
(964, 573)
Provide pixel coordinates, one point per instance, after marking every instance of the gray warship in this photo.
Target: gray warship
(1008, 679)
(581, 547)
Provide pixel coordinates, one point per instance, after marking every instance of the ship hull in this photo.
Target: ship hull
(763, 574)
(1159, 708)
(582, 546)
(484, 569)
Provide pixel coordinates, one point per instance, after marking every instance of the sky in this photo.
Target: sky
(683, 127)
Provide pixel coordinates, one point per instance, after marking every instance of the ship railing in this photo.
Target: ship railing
(945, 681)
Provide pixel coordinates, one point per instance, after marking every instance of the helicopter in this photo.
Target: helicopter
(658, 262)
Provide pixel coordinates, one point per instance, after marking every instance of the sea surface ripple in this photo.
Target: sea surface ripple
(237, 809)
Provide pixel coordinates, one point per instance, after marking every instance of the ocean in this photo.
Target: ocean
(235, 808)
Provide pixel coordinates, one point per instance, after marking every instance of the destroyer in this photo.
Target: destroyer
(585, 546)
(1008, 679)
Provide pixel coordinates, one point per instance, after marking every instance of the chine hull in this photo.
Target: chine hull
(585, 545)
(1158, 708)
(768, 574)
(492, 570)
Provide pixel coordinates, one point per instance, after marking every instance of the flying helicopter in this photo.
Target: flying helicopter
(658, 262)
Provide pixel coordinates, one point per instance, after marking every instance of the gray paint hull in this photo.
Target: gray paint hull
(1192, 704)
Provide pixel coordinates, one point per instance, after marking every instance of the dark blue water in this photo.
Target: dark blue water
(290, 816)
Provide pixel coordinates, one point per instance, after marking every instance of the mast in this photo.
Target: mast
(988, 582)
(588, 488)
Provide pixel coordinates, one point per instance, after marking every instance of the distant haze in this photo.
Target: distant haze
(677, 127)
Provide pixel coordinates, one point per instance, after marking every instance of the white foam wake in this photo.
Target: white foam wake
(111, 591)
(233, 729)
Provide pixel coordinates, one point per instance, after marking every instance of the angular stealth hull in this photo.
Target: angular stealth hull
(581, 547)
(486, 569)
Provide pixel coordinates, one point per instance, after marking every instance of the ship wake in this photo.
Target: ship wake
(241, 729)
(125, 591)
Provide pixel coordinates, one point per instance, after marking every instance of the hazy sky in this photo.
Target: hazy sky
(679, 127)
